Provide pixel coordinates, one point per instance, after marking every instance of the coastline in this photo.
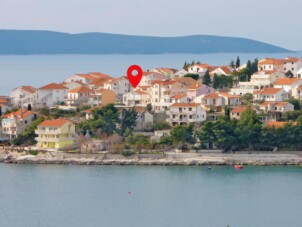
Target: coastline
(167, 159)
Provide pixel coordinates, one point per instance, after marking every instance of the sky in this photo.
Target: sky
(271, 21)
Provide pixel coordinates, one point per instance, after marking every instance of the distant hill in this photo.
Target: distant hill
(47, 42)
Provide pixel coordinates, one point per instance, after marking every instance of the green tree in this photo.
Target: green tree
(216, 83)
(192, 75)
(161, 125)
(206, 78)
(246, 98)
(183, 135)
(44, 111)
(237, 62)
(232, 64)
(128, 120)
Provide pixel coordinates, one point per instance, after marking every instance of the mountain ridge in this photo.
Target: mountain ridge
(22, 42)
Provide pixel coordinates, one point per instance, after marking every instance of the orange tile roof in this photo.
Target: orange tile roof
(22, 113)
(270, 61)
(268, 91)
(230, 96)
(185, 104)
(186, 80)
(239, 109)
(81, 89)
(54, 123)
(286, 81)
(166, 70)
(291, 59)
(29, 89)
(212, 96)
(195, 86)
(164, 82)
(52, 86)
(266, 103)
(86, 76)
(101, 75)
(141, 92)
(178, 96)
(3, 101)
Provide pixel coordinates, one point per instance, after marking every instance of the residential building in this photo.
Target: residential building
(149, 77)
(236, 112)
(221, 70)
(185, 113)
(14, 124)
(288, 84)
(196, 90)
(274, 110)
(293, 65)
(22, 96)
(55, 134)
(79, 95)
(180, 73)
(51, 95)
(168, 72)
(271, 94)
(213, 102)
(144, 120)
(87, 78)
(200, 68)
(270, 64)
(73, 84)
(101, 97)
(120, 86)
(136, 98)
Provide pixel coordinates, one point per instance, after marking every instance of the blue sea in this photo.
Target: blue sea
(38, 70)
(137, 196)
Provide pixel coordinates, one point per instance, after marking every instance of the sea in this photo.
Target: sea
(39, 70)
(143, 196)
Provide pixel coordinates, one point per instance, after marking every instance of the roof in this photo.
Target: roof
(100, 75)
(166, 70)
(178, 96)
(52, 86)
(185, 104)
(3, 101)
(291, 59)
(228, 95)
(29, 89)
(212, 96)
(195, 86)
(270, 61)
(274, 103)
(239, 109)
(186, 80)
(55, 123)
(279, 124)
(22, 113)
(286, 81)
(225, 69)
(141, 92)
(164, 82)
(268, 91)
(86, 76)
(81, 89)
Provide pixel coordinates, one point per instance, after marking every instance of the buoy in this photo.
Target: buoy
(238, 166)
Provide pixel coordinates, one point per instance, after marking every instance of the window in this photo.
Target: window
(190, 116)
(190, 109)
(25, 121)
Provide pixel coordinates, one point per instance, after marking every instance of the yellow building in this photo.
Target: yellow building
(55, 134)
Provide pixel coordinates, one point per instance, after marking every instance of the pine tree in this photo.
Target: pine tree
(215, 81)
(206, 78)
(237, 62)
(232, 64)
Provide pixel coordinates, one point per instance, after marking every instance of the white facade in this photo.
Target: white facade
(184, 113)
(22, 96)
(271, 94)
(51, 95)
(293, 65)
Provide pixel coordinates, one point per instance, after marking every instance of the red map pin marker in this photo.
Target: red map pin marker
(134, 78)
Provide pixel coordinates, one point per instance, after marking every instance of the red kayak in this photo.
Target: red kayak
(238, 166)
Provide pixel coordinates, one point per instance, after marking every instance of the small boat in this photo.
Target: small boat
(209, 167)
(238, 166)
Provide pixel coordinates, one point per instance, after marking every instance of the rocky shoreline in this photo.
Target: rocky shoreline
(168, 159)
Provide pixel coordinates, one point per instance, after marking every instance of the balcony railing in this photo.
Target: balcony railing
(58, 131)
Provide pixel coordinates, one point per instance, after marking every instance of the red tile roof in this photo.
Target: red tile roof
(55, 123)
(286, 81)
(270, 91)
(239, 109)
(52, 86)
(178, 96)
(212, 96)
(82, 89)
(22, 113)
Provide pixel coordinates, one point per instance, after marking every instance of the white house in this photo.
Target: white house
(79, 95)
(138, 98)
(22, 96)
(199, 68)
(292, 64)
(288, 84)
(271, 94)
(149, 77)
(51, 95)
(181, 73)
(184, 113)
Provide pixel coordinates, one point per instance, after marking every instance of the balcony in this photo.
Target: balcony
(58, 131)
(56, 140)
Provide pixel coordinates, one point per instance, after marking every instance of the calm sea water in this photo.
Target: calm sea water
(38, 70)
(49, 195)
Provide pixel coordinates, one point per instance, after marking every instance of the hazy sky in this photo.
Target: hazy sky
(272, 21)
